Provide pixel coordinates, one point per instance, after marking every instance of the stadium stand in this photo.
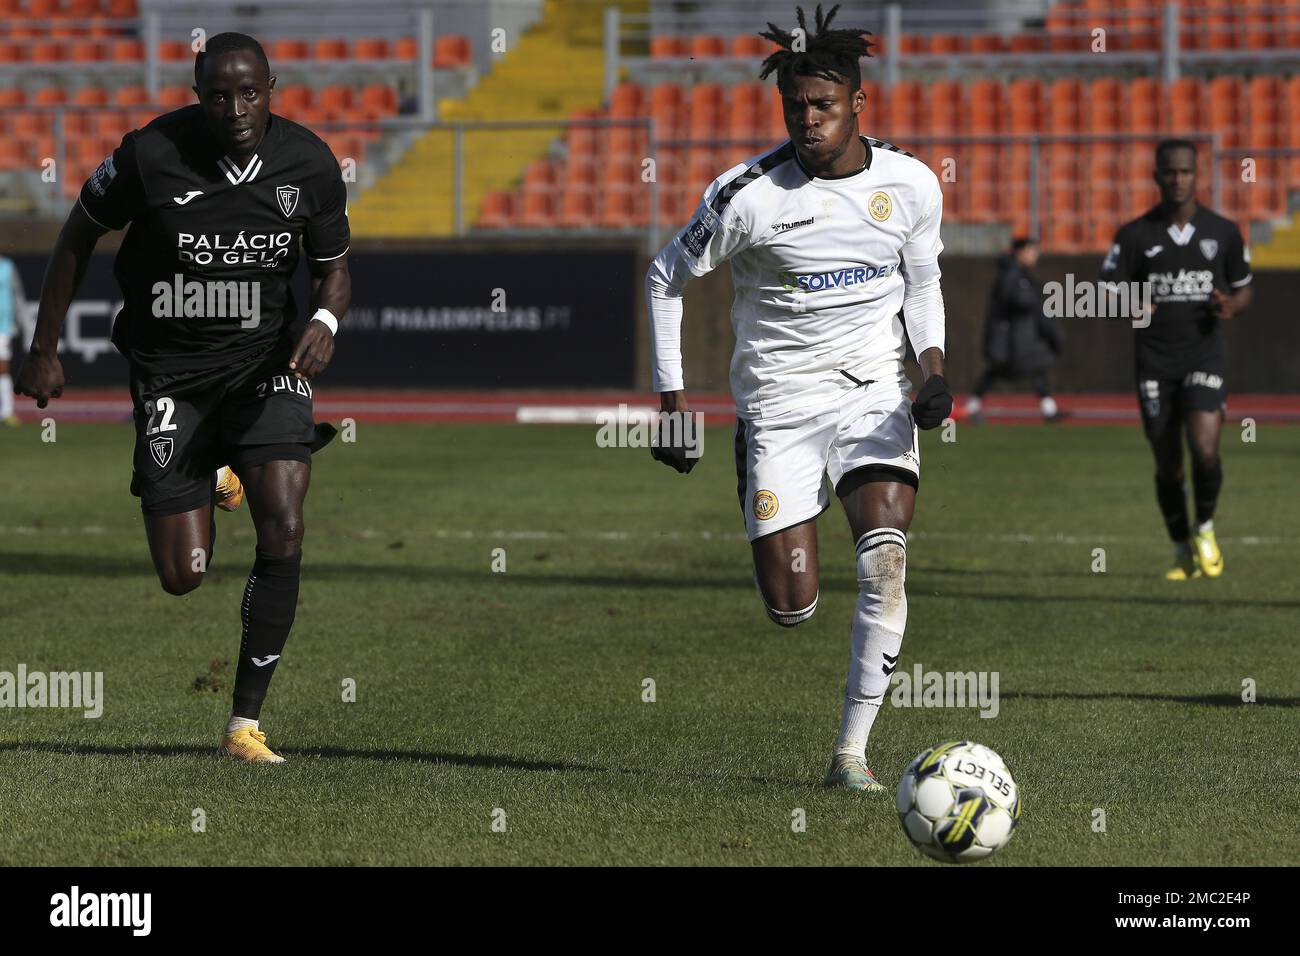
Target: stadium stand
(551, 125)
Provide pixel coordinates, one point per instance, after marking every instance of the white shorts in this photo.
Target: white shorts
(782, 463)
(4, 347)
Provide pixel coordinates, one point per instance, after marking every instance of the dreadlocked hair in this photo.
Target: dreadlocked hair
(830, 54)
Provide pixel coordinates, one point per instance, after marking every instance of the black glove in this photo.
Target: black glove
(684, 432)
(933, 403)
(674, 457)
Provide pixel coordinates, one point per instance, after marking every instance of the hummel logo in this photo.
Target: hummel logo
(188, 196)
(890, 663)
(263, 661)
(1153, 251)
(787, 226)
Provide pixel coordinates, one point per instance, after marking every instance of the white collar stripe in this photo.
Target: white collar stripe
(1182, 236)
(227, 166)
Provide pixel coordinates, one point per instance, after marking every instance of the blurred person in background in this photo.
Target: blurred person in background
(1020, 342)
(11, 294)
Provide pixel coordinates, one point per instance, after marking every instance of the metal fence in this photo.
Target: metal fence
(1068, 190)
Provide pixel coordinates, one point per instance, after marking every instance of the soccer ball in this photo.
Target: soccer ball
(957, 802)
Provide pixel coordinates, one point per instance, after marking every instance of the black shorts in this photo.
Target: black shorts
(182, 438)
(1165, 401)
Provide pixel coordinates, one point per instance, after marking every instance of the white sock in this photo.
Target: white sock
(6, 396)
(234, 723)
(1207, 526)
(973, 405)
(877, 635)
(1047, 405)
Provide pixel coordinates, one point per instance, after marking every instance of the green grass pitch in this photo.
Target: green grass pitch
(522, 691)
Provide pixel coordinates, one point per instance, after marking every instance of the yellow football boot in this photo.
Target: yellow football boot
(249, 745)
(230, 490)
(1208, 556)
(1185, 567)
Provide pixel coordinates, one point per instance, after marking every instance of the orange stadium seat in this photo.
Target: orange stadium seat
(90, 96)
(380, 99)
(627, 100)
(406, 48)
(451, 51)
(705, 47)
(330, 48)
(751, 45)
(335, 98)
(1103, 105)
(174, 97)
(12, 52)
(1141, 110)
(50, 96)
(617, 208)
(987, 43)
(905, 109)
(772, 117)
(665, 46)
(1224, 111)
(946, 44)
(46, 51)
(172, 51)
(707, 101)
(497, 211)
(1025, 98)
(126, 51)
(577, 209)
(123, 8)
(1028, 43)
(130, 96)
(288, 50)
(85, 51)
(370, 48)
(538, 211)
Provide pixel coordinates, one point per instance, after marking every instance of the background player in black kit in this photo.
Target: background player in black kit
(217, 196)
(1199, 270)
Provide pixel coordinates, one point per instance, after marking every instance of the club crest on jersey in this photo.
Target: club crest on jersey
(287, 196)
(161, 449)
(880, 206)
(1209, 247)
(765, 505)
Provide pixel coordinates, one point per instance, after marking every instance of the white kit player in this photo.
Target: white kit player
(829, 236)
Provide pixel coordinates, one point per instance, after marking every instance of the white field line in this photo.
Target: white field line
(503, 534)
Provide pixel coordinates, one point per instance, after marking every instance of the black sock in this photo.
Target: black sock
(1206, 482)
(1173, 505)
(270, 601)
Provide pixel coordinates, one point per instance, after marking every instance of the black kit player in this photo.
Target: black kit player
(1199, 270)
(217, 196)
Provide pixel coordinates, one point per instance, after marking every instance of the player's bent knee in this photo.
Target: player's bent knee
(791, 617)
(179, 582)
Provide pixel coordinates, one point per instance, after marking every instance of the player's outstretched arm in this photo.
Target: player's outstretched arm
(665, 281)
(41, 375)
(331, 292)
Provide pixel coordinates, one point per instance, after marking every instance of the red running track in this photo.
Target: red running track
(104, 405)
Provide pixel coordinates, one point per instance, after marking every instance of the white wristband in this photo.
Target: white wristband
(326, 318)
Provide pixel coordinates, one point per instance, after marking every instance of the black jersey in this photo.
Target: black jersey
(206, 264)
(1184, 267)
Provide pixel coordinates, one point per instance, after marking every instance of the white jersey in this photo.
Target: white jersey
(820, 268)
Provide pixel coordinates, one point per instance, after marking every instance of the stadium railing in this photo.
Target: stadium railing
(1013, 37)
